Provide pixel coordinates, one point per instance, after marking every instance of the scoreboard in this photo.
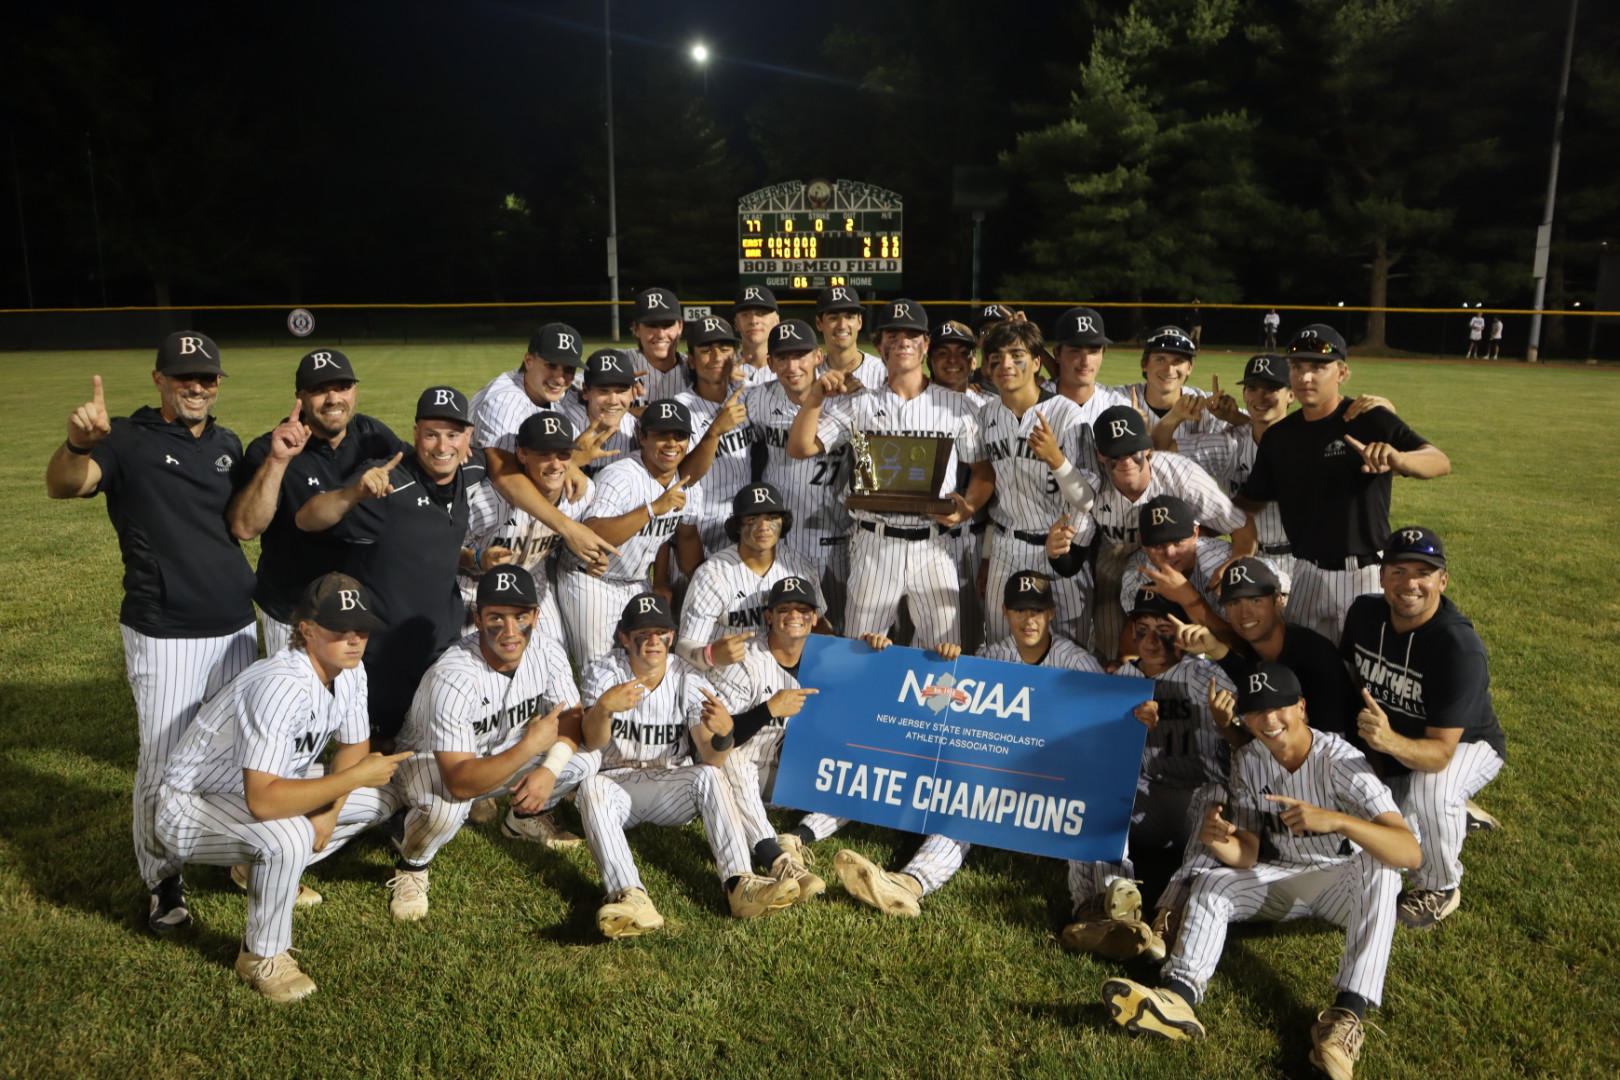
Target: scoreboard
(798, 235)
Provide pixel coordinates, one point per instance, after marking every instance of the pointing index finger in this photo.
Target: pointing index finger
(1215, 385)
(297, 410)
(95, 392)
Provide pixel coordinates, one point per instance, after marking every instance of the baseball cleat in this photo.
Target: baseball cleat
(538, 829)
(483, 811)
(1336, 1039)
(1112, 939)
(1149, 1011)
(167, 911)
(1122, 900)
(1421, 909)
(277, 977)
(1166, 925)
(754, 896)
(307, 897)
(788, 868)
(409, 901)
(628, 913)
(1480, 819)
(874, 886)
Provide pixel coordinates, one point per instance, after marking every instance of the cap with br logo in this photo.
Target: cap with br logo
(900, 315)
(1149, 602)
(509, 586)
(1164, 519)
(656, 305)
(546, 430)
(667, 414)
(442, 403)
(1265, 369)
(1415, 544)
(1080, 326)
(1316, 341)
(187, 352)
(952, 333)
(708, 330)
(646, 611)
(794, 590)
(1248, 577)
(756, 499)
(986, 314)
(339, 603)
(1169, 339)
(838, 298)
(1268, 685)
(1028, 590)
(558, 343)
(1119, 431)
(790, 336)
(609, 367)
(321, 367)
(754, 298)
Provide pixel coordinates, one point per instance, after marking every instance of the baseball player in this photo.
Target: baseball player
(1178, 562)
(1133, 472)
(1080, 344)
(658, 713)
(1267, 397)
(953, 359)
(1184, 419)
(812, 488)
(721, 457)
(498, 713)
(187, 615)
(607, 393)
(1476, 331)
(839, 317)
(1032, 438)
(953, 363)
(725, 604)
(1330, 477)
(896, 554)
(657, 326)
(1308, 829)
(754, 314)
(245, 785)
(641, 504)
(1030, 609)
(404, 521)
(1427, 714)
(761, 690)
(315, 449)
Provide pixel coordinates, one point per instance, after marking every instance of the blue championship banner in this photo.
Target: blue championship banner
(1034, 759)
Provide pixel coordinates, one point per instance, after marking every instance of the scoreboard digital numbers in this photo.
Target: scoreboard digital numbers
(798, 235)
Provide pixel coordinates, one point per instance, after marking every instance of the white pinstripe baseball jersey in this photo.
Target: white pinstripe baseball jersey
(871, 371)
(813, 488)
(275, 718)
(731, 472)
(1184, 749)
(755, 376)
(1027, 498)
(753, 679)
(1114, 517)
(1204, 440)
(1239, 463)
(726, 596)
(464, 706)
(655, 384)
(498, 409)
(1210, 554)
(492, 522)
(624, 440)
(1063, 654)
(625, 486)
(654, 732)
(1335, 776)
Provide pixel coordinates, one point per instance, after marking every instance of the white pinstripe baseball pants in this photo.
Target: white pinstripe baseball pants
(1432, 804)
(433, 816)
(1320, 599)
(935, 862)
(967, 548)
(750, 769)
(1009, 555)
(274, 633)
(220, 830)
(590, 609)
(170, 678)
(611, 803)
(1196, 857)
(882, 569)
(1357, 894)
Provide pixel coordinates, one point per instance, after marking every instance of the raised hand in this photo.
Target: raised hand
(1378, 457)
(591, 439)
(732, 413)
(729, 649)
(1059, 538)
(288, 439)
(1372, 723)
(787, 702)
(376, 482)
(1043, 443)
(1222, 706)
(623, 697)
(673, 498)
(716, 717)
(88, 424)
(1223, 406)
(1197, 638)
(1216, 829)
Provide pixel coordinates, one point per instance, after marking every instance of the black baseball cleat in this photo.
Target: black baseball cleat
(168, 911)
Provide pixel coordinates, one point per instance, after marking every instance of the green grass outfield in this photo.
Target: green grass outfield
(508, 977)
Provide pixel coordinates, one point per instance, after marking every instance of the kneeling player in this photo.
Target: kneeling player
(658, 710)
(485, 721)
(1313, 831)
(244, 786)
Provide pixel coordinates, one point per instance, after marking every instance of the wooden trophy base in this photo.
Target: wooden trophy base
(905, 504)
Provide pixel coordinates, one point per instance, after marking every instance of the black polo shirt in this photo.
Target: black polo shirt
(289, 558)
(1331, 699)
(167, 490)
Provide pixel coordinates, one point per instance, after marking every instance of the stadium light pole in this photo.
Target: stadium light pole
(613, 196)
(1544, 233)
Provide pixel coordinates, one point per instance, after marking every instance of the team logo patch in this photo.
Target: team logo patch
(223, 463)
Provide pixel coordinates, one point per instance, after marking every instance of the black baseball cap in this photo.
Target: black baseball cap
(323, 366)
(755, 298)
(900, 315)
(443, 403)
(838, 298)
(1164, 519)
(1149, 602)
(1170, 339)
(796, 590)
(1028, 590)
(1318, 341)
(951, 333)
(188, 352)
(646, 611)
(546, 430)
(1268, 686)
(708, 330)
(609, 367)
(790, 336)
(1415, 544)
(1119, 431)
(339, 603)
(1080, 326)
(512, 586)
(1265, 369)
(656, 305)
(986, 314)
(1249, 577)
(667, 414)
(558, 343)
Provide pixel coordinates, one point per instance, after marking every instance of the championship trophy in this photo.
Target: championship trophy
(899, 472)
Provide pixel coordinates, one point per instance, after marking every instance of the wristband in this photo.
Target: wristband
(556, 758)
(722, 742)
(708, 654)
(75, 450)
(652, 515)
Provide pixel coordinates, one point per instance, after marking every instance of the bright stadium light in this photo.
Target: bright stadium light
(700, 53)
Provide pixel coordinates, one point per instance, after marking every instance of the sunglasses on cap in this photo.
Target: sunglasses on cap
(1313, 345)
